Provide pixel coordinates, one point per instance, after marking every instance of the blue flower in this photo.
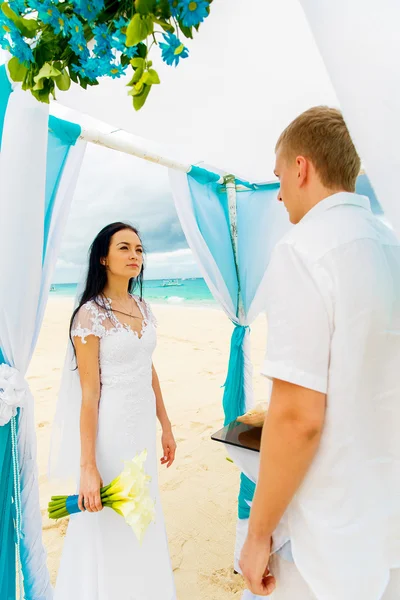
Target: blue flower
(88, 9)
(7, 28)
(93, 67)
(49, 14)
(88, 68)
(12, 40)
(193, 12)
(73, 27)
(174, 6)
(173, 50)
(22, 50)
(102, 39)
(18, 6)
(118, 38)
(116, 71)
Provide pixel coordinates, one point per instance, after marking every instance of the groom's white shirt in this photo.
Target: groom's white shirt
(333, 311)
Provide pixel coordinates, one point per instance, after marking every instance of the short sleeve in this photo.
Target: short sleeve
(298, 343)
(88, 321)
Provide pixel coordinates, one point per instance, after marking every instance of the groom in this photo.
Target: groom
(328, 492)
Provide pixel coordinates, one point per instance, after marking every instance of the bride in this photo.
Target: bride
(114, 336)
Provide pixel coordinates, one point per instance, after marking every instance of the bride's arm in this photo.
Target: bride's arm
(87, 354)
(168, 441)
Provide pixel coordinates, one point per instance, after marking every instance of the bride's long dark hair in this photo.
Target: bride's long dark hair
(97, 275)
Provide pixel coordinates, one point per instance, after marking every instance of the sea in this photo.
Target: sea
(191, 291)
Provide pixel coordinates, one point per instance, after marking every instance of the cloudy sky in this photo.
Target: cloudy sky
(113, 186)
(252, 68)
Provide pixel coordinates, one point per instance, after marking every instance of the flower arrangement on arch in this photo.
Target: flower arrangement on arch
(54, 42)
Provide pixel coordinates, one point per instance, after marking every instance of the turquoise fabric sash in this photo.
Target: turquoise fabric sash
(233, 400)
(7, 542)
(234, 406)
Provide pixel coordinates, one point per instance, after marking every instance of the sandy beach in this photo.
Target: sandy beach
(199, 492)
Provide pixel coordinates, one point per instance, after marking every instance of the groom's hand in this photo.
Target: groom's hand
(254, 565)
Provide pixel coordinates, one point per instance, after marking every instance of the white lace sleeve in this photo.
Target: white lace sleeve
(149, 313)
(89, 321)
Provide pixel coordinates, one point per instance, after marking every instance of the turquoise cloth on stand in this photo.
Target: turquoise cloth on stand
(246, 493)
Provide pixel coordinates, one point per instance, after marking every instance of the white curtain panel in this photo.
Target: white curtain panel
(359, 42)
(24, 285)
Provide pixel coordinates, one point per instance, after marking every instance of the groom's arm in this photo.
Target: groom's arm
(299, 318)
(291, 435)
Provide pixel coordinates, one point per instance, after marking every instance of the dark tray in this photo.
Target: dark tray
(240, 435)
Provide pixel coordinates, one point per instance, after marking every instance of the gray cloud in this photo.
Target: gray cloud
(116, 187)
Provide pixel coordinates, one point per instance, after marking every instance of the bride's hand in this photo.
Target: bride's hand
(169, 448)
(89, 493)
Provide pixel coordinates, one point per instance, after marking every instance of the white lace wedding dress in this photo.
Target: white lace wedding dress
(102, 559)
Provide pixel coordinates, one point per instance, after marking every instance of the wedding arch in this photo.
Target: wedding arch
(226, 220)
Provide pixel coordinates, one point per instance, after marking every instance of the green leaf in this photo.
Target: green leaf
(137, 76)
(144, 7)
(17, 70)
(73, 74)
(42, 95)
(137, 62)
(46, 72)
(10, 14)
(187, 31)
(39, 85)
(165, 25)
(138, 29)
(28, 27)
(125, 60)
(139, 100)
(151, 77)
(63, 81)
(138, 87)
(142, 50)
(163, 9)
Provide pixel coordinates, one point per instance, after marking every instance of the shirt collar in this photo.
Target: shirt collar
(337, 200)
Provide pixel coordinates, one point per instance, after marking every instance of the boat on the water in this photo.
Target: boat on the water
(171, 283)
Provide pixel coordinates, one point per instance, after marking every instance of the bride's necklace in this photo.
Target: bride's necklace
(129, 313)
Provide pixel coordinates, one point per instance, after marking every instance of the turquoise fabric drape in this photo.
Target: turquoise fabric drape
(246, 493)
(62, 135)
(234, 400)
(5, 91)
(7, 542)
(234, 406)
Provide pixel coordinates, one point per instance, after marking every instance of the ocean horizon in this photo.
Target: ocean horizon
(192, 291)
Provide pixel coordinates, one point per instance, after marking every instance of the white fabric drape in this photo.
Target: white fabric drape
(24, 284)
(215, 281)
(360, 44)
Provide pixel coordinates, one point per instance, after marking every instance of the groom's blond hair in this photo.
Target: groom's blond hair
(321, 135)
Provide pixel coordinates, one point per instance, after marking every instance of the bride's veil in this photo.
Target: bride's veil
(64, 459)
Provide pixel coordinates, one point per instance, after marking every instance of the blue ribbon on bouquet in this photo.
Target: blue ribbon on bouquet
(71, 505)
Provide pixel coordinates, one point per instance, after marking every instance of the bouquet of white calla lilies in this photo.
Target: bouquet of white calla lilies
(128, 494)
